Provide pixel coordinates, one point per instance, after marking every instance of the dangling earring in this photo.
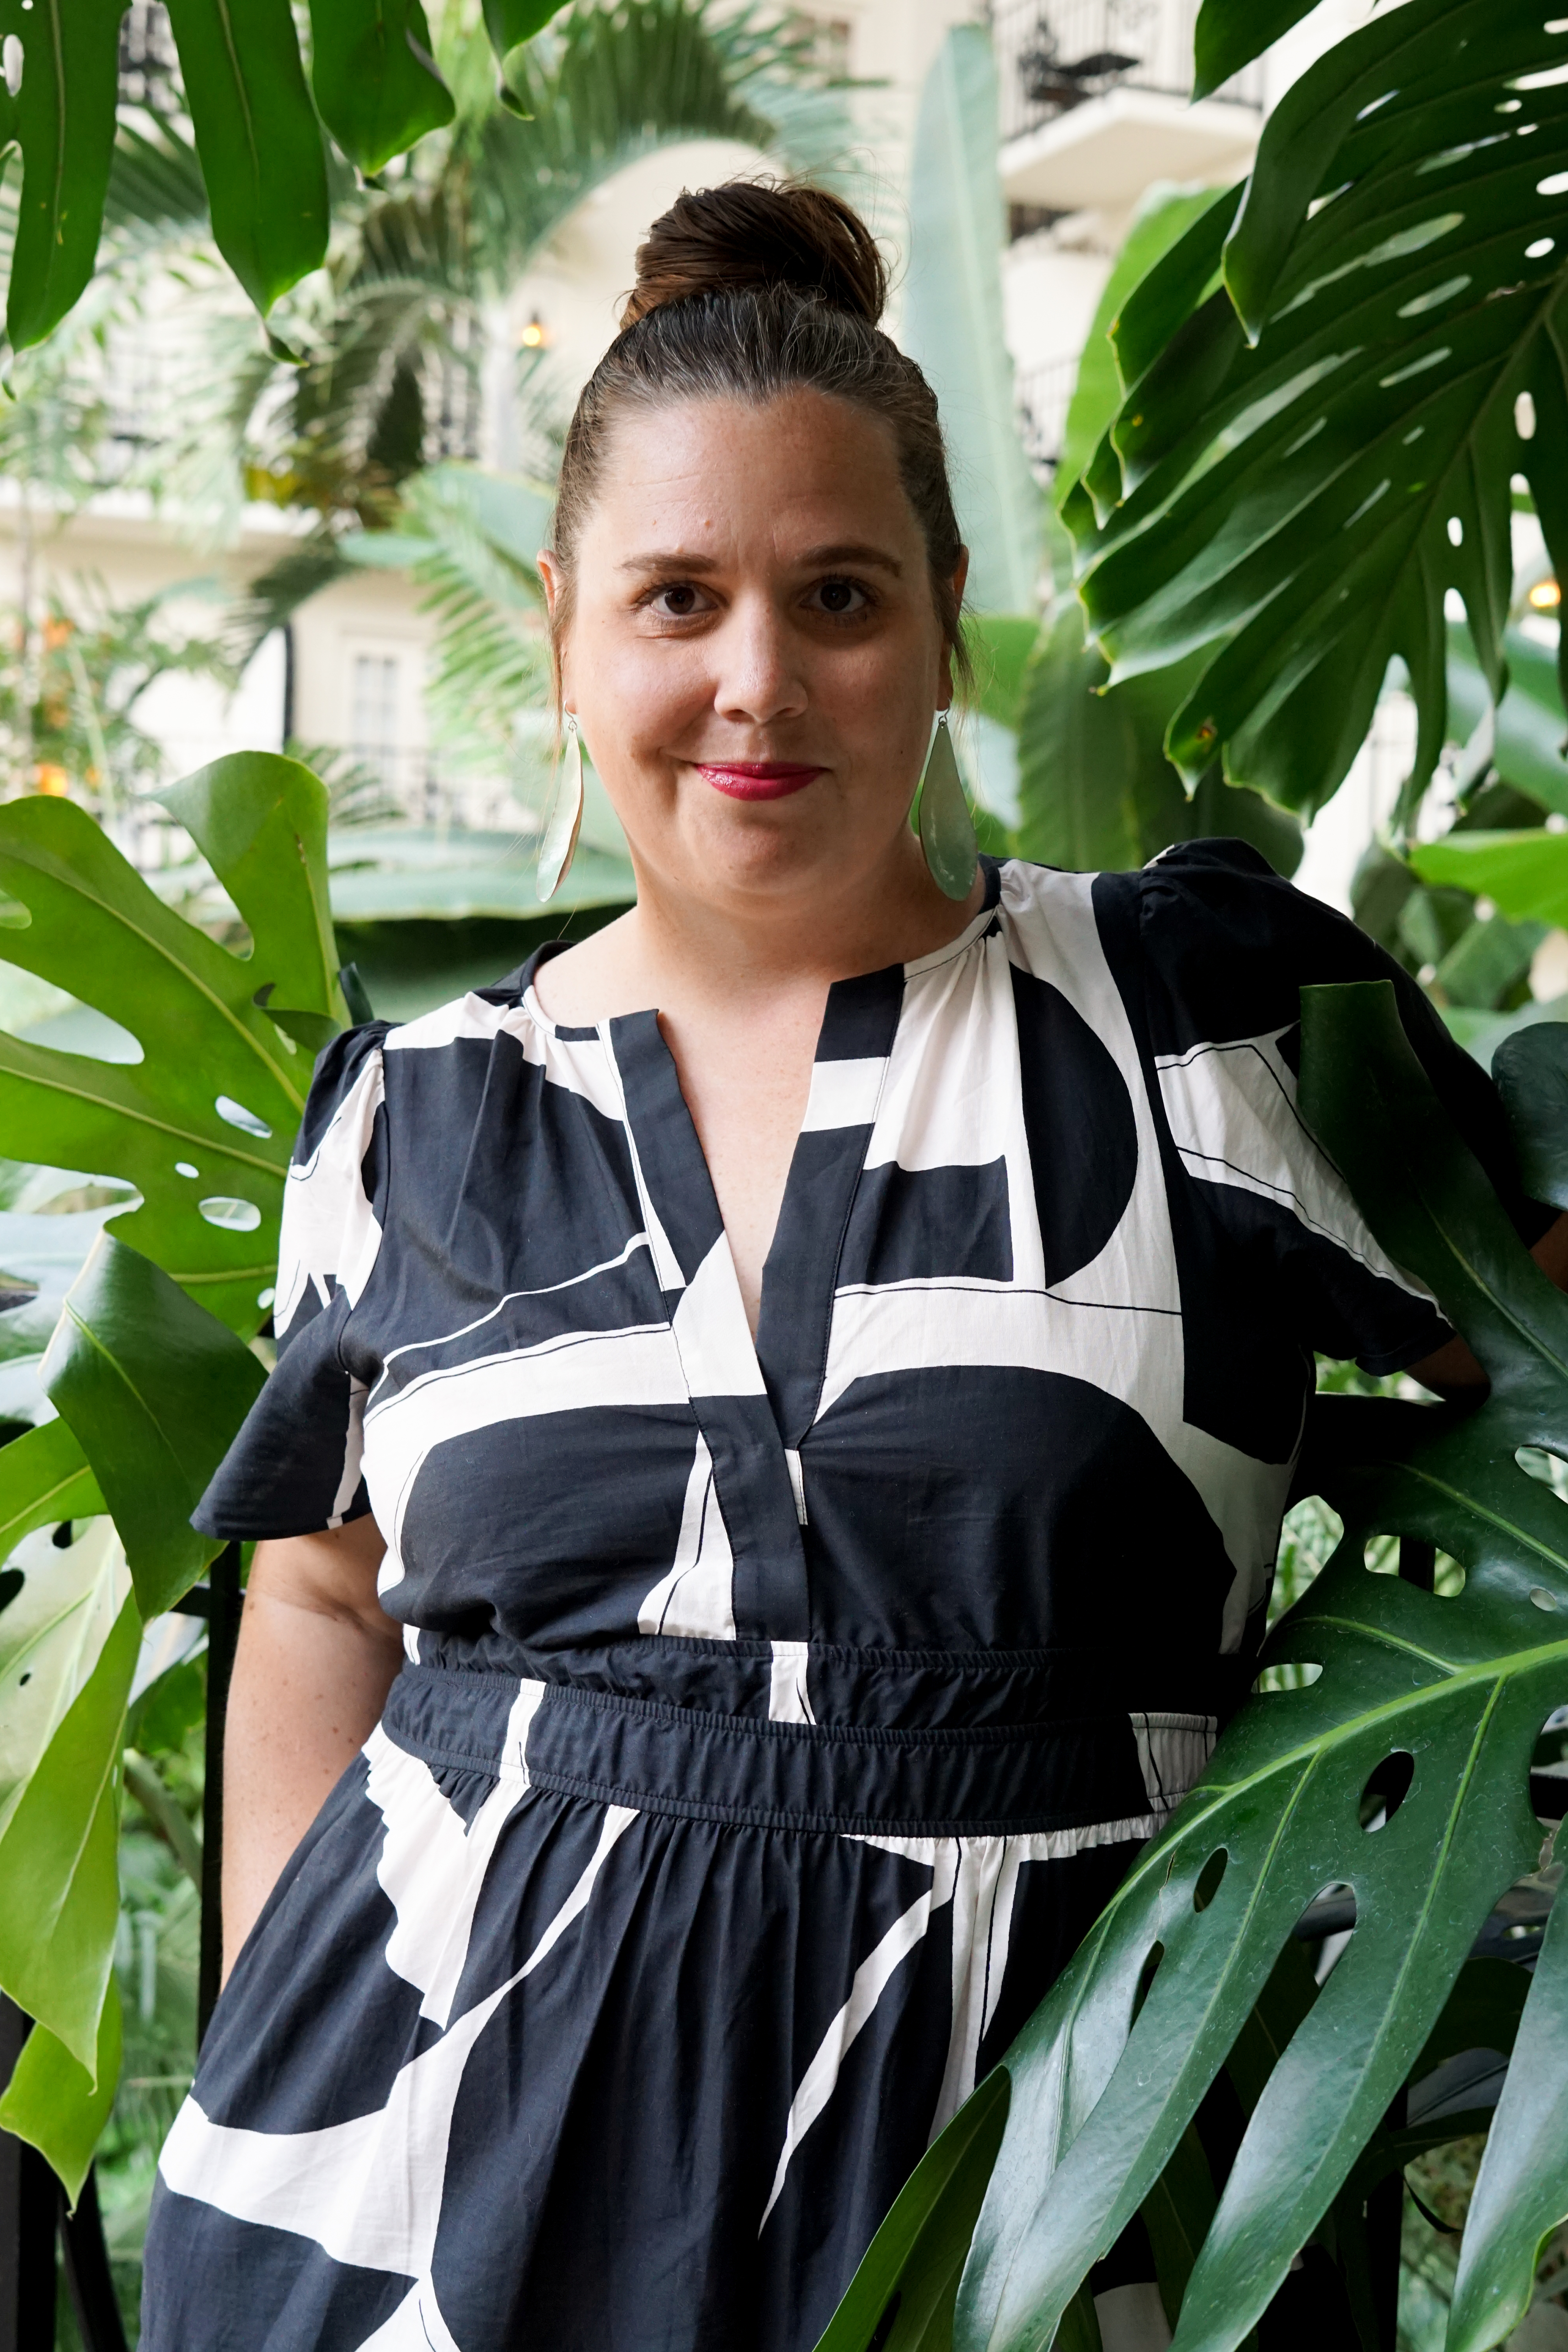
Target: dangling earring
(558, 844)
(947, 828)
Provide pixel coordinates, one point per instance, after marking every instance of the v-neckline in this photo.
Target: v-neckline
(787, 1354)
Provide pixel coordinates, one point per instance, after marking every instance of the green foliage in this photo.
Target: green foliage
(57, 1859)
(1309, 456)
(1095, 789)
(63, 119)
(153, 1388)
(375, 81)
(257, 139)
(1521, 2192)
(70, 685)
(1231, 33)
(255, 162)
(1458, 1685)
(913, 2269)
(1525, 873)
(1163, 214)
(57, 2103)
(150, 1386)
(219, 1085)
(422, 256)
(952, 318)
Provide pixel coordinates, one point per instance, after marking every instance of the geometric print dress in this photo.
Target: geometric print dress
(776, 1716)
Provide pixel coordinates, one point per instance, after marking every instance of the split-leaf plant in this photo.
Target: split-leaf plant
(1397, 1767)
(149, 1369)
(256, 117)
(1330, 384)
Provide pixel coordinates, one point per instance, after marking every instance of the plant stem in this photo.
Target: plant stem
(164, 1814)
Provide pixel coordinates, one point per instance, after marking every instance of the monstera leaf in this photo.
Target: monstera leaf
(1401, 1773)
(150, 1385)
(1331, 382)
(202, 1124)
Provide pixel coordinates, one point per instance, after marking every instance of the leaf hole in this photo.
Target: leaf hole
(11, 1579)
(1524, 416)
(245, 1120)
(1386, 1790)
(1209, 1879)
(1549, 1468)
(63, 1537)
(1549, 1769)
(884, 2325)
(1287, 1678)
(264, 1298)
(1455, 532)
(1329, 1922)
(1146, 1976)
(1537, 251)
(234, 1216)
(1554, 184)
(13, 915)
(1542, 1598)
(183, 1168)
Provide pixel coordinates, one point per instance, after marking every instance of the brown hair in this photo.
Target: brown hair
(745, 292)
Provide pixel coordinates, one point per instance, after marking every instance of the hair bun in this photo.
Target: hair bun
(750, 235)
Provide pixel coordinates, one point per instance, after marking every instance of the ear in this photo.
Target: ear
(549, 570)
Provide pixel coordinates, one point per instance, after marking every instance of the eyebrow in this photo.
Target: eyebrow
(681, 559)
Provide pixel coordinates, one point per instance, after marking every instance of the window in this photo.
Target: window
(375, 715)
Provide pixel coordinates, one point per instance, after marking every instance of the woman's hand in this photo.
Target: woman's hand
(317, 1657)
(1452, 1370)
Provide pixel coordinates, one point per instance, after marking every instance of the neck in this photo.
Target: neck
(833, 931)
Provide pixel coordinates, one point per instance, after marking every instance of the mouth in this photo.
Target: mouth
(757, 780)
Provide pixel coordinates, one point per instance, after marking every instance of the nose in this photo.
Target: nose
(759, 680)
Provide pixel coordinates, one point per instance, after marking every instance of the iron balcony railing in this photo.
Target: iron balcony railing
(1053, 55)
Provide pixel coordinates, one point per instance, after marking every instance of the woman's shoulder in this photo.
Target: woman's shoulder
(1215, 941)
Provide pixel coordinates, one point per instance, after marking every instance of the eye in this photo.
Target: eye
(678, 601)
(841, 598)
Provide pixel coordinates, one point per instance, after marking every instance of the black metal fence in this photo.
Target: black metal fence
(1053, 55)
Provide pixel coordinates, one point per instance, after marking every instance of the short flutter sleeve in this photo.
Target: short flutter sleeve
(294, 1467)
(1228, 947)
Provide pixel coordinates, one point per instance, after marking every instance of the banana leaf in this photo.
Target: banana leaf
(952, 318)
(1402, 1773)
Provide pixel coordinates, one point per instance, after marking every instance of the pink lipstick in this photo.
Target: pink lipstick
(757, 780)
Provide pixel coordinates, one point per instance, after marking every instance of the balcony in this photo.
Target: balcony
(1095, 104)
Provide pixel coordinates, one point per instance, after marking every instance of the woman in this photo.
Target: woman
(763, 1501)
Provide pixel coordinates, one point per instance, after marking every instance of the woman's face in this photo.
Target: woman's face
(755, 657)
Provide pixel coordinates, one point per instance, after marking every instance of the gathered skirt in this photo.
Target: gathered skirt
(585, 2018)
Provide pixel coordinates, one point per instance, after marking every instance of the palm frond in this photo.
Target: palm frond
(276, 594)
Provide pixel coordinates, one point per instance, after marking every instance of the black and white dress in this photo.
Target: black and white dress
(776, 1718)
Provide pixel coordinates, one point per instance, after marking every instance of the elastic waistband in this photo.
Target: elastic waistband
(610, 1748)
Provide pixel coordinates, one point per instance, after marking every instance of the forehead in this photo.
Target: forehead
(804, 468)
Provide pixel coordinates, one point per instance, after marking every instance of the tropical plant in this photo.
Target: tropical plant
(70, 679)
(257, 123)
(1329, 386)
(148, 1366)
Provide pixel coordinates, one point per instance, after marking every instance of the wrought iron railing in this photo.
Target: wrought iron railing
(1053, 55)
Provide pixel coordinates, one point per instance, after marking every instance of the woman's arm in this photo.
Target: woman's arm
(1453, 1368)
(317, 1657)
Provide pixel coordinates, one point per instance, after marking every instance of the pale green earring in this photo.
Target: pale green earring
(558, 844)
(947, 828)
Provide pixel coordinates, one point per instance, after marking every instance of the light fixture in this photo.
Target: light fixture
(533, 337)
(1545, 596)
